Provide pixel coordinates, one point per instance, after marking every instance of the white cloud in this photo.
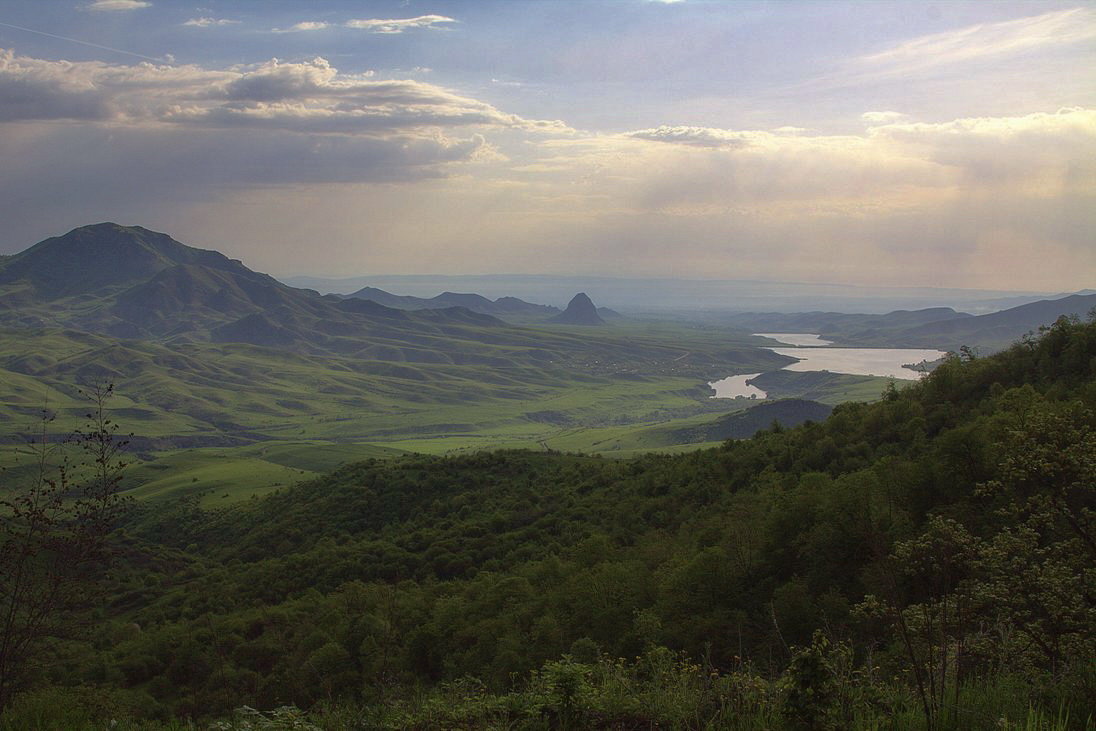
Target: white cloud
(698, 136)
(983, 41)
(924, 202)
(891, 165)
(303, 97)
(109, 5)
(399, 25)
(883, 117)
(303, 26)
(897, 203)
(206, 22)
(36, 89)
(1042, 153)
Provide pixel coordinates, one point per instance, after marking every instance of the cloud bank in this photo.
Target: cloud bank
(401, 175)
(309, 96)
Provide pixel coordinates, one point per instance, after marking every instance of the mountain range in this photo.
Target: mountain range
(936, 327)
(688, 297)
(139, 285)
(207, 352)
(510, 309)
(501, 307)
(130, 282)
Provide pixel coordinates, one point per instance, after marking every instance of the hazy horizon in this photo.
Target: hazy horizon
(653, 295)
(891, 144)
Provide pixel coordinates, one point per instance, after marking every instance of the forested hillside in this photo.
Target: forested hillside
(926, 561)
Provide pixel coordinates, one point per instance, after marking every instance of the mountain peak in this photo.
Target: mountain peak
(580, 311)
(101, 255)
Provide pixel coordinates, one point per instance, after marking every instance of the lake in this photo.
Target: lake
(885, 362)
(736, 386)
(803, 340)
(813, 355)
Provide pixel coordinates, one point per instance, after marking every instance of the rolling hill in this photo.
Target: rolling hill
(205, 352)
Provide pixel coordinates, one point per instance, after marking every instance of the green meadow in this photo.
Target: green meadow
(226, 422)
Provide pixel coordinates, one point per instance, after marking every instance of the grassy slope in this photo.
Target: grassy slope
(243, 411)
(229, 419)
(624, 375)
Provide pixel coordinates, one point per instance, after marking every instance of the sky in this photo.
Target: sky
(941, 144)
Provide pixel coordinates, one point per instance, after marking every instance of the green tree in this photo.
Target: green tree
(54, 531)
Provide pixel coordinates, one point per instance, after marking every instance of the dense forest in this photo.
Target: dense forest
(924, 561)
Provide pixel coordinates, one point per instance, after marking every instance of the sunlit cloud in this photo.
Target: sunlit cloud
(921, 201)
(399, 25)
(895, 164)
(303, 26)
(698, 136)
(952, 158)
(116, 5)
(308, 96)
(883, 117)
(205, 22)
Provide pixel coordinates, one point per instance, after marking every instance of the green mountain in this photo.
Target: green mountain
(104, 256)
(133, 283)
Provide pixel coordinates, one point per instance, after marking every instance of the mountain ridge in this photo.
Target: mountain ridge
(474, 302)
(103, 255)
(130, 282)
(156, 289)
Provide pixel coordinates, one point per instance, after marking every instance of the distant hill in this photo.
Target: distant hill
(580, 311)
(847, 328)
(996, 331)
(501, 307)
(936, 327)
